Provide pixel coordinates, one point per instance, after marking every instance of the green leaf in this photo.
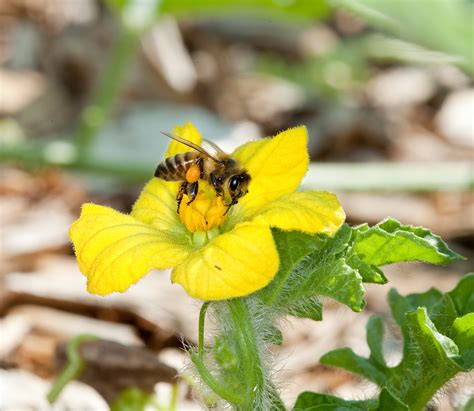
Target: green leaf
(370, 273)
(463, 296)
(441, 309)
(388, 401)
(132, 399)
(438, 344)
(325, 272)
(350, 361)
(311, 401)
(321, 271)
(390, 242)
(462, 333)
(336, 280)
(375, 333)
(307, 308)
(336, 267)
(292, 247)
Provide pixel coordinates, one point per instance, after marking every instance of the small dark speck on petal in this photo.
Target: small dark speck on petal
(220, 269)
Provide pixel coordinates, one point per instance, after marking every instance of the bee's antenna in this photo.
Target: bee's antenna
(190, 144)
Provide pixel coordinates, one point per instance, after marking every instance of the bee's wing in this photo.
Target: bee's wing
(213, 149)
(192, 145)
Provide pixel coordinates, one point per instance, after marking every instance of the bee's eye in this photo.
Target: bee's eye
(234, 183)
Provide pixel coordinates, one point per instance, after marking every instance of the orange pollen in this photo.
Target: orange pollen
(193, 173)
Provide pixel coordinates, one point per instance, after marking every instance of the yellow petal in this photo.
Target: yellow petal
(276, 166)
(234, 264)
(310, 212)
(115, 250)
(156, 205)
(189, 132)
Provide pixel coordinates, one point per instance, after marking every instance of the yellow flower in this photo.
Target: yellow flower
(213, 256)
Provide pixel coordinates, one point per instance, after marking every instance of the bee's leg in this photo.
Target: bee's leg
(183, 189)
(200, 163)
(192, 191)
(234, 201)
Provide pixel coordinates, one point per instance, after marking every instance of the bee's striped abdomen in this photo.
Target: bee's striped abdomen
(174, 168)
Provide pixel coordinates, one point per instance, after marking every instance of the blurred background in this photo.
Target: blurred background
(386, 91)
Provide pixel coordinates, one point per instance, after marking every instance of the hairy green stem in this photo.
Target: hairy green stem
(251, 365)
(96, 113)
(254, 392)
(74, 366)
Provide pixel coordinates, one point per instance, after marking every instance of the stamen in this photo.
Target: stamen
(205, 214)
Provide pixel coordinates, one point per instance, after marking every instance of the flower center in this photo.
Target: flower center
(205, 213)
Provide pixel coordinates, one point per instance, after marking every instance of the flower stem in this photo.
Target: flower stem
(251, 365)
(245, 387)
(202, 318)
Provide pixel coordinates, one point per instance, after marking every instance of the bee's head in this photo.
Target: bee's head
(237, 185)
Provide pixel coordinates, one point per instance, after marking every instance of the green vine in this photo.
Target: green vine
(74, 366)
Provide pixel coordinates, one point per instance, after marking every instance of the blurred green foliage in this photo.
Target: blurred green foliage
(132, 399)
(306, 9)
(441, 25)
(132, 11)
(331, 75)
(425, 32)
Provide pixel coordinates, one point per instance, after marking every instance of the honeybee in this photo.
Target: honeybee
(228, 178)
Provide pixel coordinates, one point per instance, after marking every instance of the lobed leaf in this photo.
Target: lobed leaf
(336, 267)
(323, 271)
(438, 343)
(390, 242)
